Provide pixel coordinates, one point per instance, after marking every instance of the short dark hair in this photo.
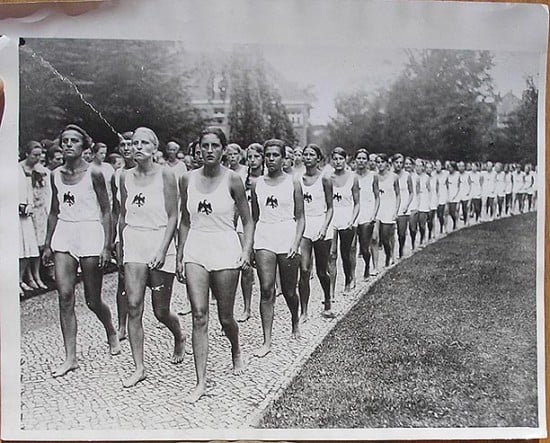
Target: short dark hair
(86, 139)
(215, 131)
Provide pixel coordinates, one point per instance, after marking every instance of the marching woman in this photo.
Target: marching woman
(210, 254)
(317, 190)
(476, 184)
(509, 180)
(453, 184)
(147, 224)
(369, 203)
(390, 202)
(464, 190)
(500, 186)
(79, 232)
(345, 201)
(278, 209)
(518, 189)
(529, 185)
(443, 195)
(406, 193)
(413, 207)
(434, 198)
(234, 154)
(424, 198)
(489, 189)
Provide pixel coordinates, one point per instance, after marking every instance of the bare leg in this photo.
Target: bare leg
(422, 219)
(305, 273)
(266, 262)
(35, 271)
(65, 270)
(332, 264)
(198, 281)
(161, 295)
(247, 278)
(92, 278)
(365, 238)
(289, 276)
(347, 238)
(122, 306)
(224, 284)
(322, 254)
(136, 275)
(402, 222)
(413, 227)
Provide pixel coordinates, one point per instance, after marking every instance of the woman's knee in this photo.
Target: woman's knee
(200, 319)
(162, 313)
(267, 290)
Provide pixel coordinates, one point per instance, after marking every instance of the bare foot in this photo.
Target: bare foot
(243, 317)
(122, 334)
(114, 345)
(262, 351)
(329, 314)
(303, 318)
(179, 351)
(195, 394)
(65, 368)
(296, 333)
(134, 379)
(238, 364)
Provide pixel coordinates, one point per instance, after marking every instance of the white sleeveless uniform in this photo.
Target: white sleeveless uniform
(519, 179)
(78, 231)
(475, 187)
(530, 183)
(366, 197)
(243, 174)
(342, 201)
(489, 184)
(509, 183)
(146, 221)
(434, 197)
(388, 198)
(500, 184)
(276, 227)
(464, 185)
(424, 197)
(315, 209)
(413, 207)
(453, 181)
(403, 192)
(443, 193)
(212, 242)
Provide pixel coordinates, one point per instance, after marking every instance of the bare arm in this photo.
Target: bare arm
(185, 225)
(98, 182)
(298, 216)
(410, 188)
(397, 196)
(170, 191)
(327, 188)
(356, 204)
(239, 195)
(52, 221)
(376, 191)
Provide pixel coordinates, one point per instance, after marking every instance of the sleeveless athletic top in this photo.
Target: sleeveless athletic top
(145, 206)
(342, 201)
(424, 198)
(213, 211)
(519, 179)
(404, 191)
(276, 203)
(529, 182)
(500, 183)
(443, 190)
(387, 197)
(508, 181)
(463, 185)
(475, 179)
(314, 198)
(77, 202)
(414, 202)
(489, 183)
(366, 193)
(453, 181)
(434, 197)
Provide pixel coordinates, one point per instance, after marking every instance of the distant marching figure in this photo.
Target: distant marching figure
(210, 250)
(453, 184)
(79, 232)
(413, 207)
(434, 198)
(146, 229)
(278, 209)
(509, 180)
(464, 191)
(489, 189)
(518, 188)
(345, 193)
(369, 197)
(390, 202)
(443, 195)
(500, 187)
(317, 190)
(424, 197)
(476, 184)
(406, 198)
(529, 185)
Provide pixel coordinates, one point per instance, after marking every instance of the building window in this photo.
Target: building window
(296, 118)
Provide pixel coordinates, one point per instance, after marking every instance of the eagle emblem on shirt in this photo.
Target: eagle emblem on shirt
(337, 197)
(272, 201)
(205, 207)
(139, 200)
(307, 197)
(68, 198)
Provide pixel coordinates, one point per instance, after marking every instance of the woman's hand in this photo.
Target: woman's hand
(157, 261)
(293, 251)
(104, 257)
(47, 255)
(180, 271)
(244, 261)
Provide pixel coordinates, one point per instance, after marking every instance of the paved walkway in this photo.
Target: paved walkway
(92, 397)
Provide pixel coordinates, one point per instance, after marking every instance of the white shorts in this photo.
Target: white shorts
(366, 212)
(214, 251)
(313, 227)
(79, 239)
(140, 246)
(275, 237)
(342, 217)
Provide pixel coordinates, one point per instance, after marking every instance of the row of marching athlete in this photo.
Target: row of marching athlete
(234, 218)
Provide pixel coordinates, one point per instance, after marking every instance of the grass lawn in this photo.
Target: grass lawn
(445, 339)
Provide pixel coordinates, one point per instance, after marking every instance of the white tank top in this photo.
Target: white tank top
(434, 198)
(342, 201)
(500, 183)
(213, 211)
(276, 203)
(489, 183)
(415, 202)
(424, 195)
(366, 192)
(77, 202)
(463, 185)
(145, 205)
(443, 189)
(475, 190)
(518, 178)
(453, 181)
(508, 181)
(315, 204)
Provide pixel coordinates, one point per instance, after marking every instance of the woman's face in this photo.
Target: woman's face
(372, 162)
(288, 161)
(338, 162)
(474, 167)
(438, 166)
(144, 145)
(254, 159)
(212, 149)
(310, 158)
(34, 156)
(298, 156)
(382, 164)
(408, 165)
(101, 154)
(429, 168)
(419, 166)
(273, 158)
(398, 164)
(72, 144)
(361, 160)
(233, 156)
(172, 151)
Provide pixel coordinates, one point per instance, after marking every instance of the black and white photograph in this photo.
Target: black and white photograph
(287, 219)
